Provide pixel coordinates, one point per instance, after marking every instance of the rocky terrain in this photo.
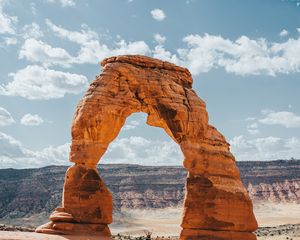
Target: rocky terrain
(29, 195)
(272, 181)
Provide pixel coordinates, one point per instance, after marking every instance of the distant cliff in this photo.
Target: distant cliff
(32, 191)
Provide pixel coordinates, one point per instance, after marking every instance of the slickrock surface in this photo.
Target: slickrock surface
(164, 91)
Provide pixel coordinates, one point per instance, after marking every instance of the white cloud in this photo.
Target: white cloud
(284, 118)
(250, 119)
(253, 128)
(138, 150)
(7, 23)
(63, 3)
(268, 148)
(243, 56)
(10, 41)
(134, 150)
(158, 14)
(161, 53)
(33, 8)
(82, 37)
(131, 125)
(14, 155)
(284, 33)
(91, 49)
(9, 147)
(160, 39)
(36, 82)
(37, 51)
(5, 117)
(51, 155)
(31, 120)
(32, 30)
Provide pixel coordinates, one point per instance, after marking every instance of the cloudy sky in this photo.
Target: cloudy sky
(244, 57)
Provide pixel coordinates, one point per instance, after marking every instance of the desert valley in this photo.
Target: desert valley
(151, 198)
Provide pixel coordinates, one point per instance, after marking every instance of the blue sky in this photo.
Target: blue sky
(244, 57)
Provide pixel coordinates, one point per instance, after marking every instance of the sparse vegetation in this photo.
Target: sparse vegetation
(147, 236)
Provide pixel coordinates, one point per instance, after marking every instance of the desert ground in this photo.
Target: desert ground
(276, 221)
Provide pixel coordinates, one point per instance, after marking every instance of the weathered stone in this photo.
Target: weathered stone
(217, 205)
(70, 228)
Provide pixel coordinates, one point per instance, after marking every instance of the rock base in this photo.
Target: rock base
(197, 234)
(67, 228)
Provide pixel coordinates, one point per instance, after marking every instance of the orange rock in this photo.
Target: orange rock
(217, 205)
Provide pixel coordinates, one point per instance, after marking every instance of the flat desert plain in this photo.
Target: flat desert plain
(276, 221)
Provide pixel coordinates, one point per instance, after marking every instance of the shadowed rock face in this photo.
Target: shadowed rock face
(215, 199)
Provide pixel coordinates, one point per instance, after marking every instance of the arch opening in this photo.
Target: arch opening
(145, 195)
(139, 143)
(130, 84)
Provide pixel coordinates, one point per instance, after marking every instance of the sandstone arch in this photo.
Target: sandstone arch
(216, 205)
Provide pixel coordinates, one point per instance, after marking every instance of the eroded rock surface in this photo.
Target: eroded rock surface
(216, 200)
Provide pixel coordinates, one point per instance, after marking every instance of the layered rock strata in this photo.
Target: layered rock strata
(216, 204)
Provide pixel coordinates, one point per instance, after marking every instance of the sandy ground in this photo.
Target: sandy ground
(164, 222)
(37, 236)
(276, 221)
(277, 214)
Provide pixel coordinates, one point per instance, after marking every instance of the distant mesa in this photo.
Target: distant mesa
(216, 205)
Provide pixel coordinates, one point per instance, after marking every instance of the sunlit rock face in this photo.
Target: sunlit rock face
(216, 204)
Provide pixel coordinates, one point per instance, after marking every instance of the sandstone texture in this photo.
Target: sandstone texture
(215, 200)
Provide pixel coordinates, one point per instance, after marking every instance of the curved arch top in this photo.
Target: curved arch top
(131, 84)
(216, 200)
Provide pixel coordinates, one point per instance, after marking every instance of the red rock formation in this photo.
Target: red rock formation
(216, 205)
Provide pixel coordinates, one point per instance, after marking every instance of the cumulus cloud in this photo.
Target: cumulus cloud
(134, 150)
(284, 118)
(32, 30)
(63, 3)
(253, 128)
(284, 33)
(161, 53)
(14, 155)
(139, 150)
(9, 41)
(268, 148)
(36, 82)
(201, 53)
(243, 56)
(91, 49)
(158, 14)
(37, 51)
(31, 120)
(7, 23)
(131, 125)
(5, 117)
(160, 39)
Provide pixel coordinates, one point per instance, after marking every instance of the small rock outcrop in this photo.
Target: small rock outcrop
(216, 205)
